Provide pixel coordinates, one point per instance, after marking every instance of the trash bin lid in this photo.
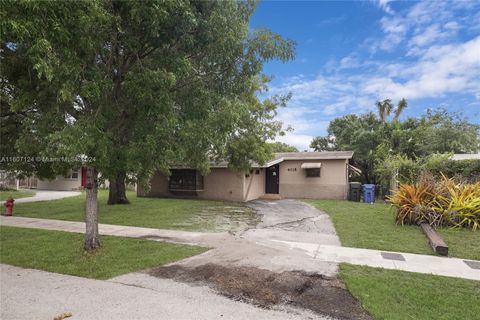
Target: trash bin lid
(369, 186)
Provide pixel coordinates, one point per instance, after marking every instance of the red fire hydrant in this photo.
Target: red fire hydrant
(9, 206)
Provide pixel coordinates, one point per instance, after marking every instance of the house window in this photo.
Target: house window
(185, 180)
(312, 173)
(72, 175)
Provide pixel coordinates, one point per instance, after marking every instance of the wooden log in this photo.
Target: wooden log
(436, 242)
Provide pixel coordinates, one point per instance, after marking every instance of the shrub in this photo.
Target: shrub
(439, 166)
(414, 203)
(459, 203)
(406, 170)
(445, 203)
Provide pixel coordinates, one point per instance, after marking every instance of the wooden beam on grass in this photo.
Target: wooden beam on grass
(436, 242)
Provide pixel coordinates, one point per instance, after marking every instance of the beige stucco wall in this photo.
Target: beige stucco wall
(61, 183)
(254, 185)
(223, 184)
(219, 184)
(158, 187)
(331, 184)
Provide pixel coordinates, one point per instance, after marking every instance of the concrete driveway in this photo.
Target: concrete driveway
(141, 295)
(293, 220)
(265, 246)
(46, 195)
(265, 249)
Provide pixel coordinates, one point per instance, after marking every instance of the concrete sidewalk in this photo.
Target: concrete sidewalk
(282, 254)
(247, 249)
(436, 265)
(182, 237)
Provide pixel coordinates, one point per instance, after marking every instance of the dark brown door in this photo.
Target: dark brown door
(272, 179)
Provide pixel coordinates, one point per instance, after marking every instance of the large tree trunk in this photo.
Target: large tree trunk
(117, 191)
(91, 211)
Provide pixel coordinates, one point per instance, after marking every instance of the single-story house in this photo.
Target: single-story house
(316, 175)
(74, 180)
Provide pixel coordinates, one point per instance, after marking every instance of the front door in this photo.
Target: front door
(272, 179)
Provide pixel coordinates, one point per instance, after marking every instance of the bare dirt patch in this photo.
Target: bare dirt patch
(267, 289)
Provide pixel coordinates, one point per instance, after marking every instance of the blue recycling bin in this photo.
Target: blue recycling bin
(368, 193)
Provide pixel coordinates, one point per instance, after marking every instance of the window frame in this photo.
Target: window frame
(185, 180)
(71, 173)
(313, 172)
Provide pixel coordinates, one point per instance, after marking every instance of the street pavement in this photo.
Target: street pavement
(35, 294)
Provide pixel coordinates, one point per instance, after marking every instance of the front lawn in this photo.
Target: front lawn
(399, 295)
(15, 194)
(372, 226)
(62, 252)
(179, 214)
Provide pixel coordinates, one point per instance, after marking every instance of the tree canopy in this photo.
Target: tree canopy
(375, 140)
(282, 147)
(131, 87)
(136, 85)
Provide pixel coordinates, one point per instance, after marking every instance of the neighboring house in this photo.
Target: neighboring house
(74, 180)
(316, 175)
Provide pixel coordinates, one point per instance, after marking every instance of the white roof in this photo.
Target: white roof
(466, 156)
(285, 156)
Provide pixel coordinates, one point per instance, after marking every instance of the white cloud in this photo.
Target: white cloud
(305, 91)
(385, 5)
(393, 25)
(299, 141)
(394, 29)
(451, 25)
(429, 35)
(298, 118)
(424, 23)
(303, 121)
(432, 62)
(441, 70)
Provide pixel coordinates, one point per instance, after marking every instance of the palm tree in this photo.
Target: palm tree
(402, 104)
(384, 109)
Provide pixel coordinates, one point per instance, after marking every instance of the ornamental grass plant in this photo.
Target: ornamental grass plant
(439, 203)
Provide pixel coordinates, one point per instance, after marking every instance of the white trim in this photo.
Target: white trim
(271, 163)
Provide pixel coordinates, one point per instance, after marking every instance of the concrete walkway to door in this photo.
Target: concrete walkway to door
(292, 236)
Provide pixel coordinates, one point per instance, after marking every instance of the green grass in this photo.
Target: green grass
(177, 214)
(62, 252)
(462, 243)
(15, 194)
(372, 226)
(398, 295)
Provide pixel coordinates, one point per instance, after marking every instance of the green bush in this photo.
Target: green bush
(468, 170)
(410, 171)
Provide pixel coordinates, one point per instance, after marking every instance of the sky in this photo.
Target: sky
(349, 54)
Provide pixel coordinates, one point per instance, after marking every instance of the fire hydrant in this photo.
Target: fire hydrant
(9, 206)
